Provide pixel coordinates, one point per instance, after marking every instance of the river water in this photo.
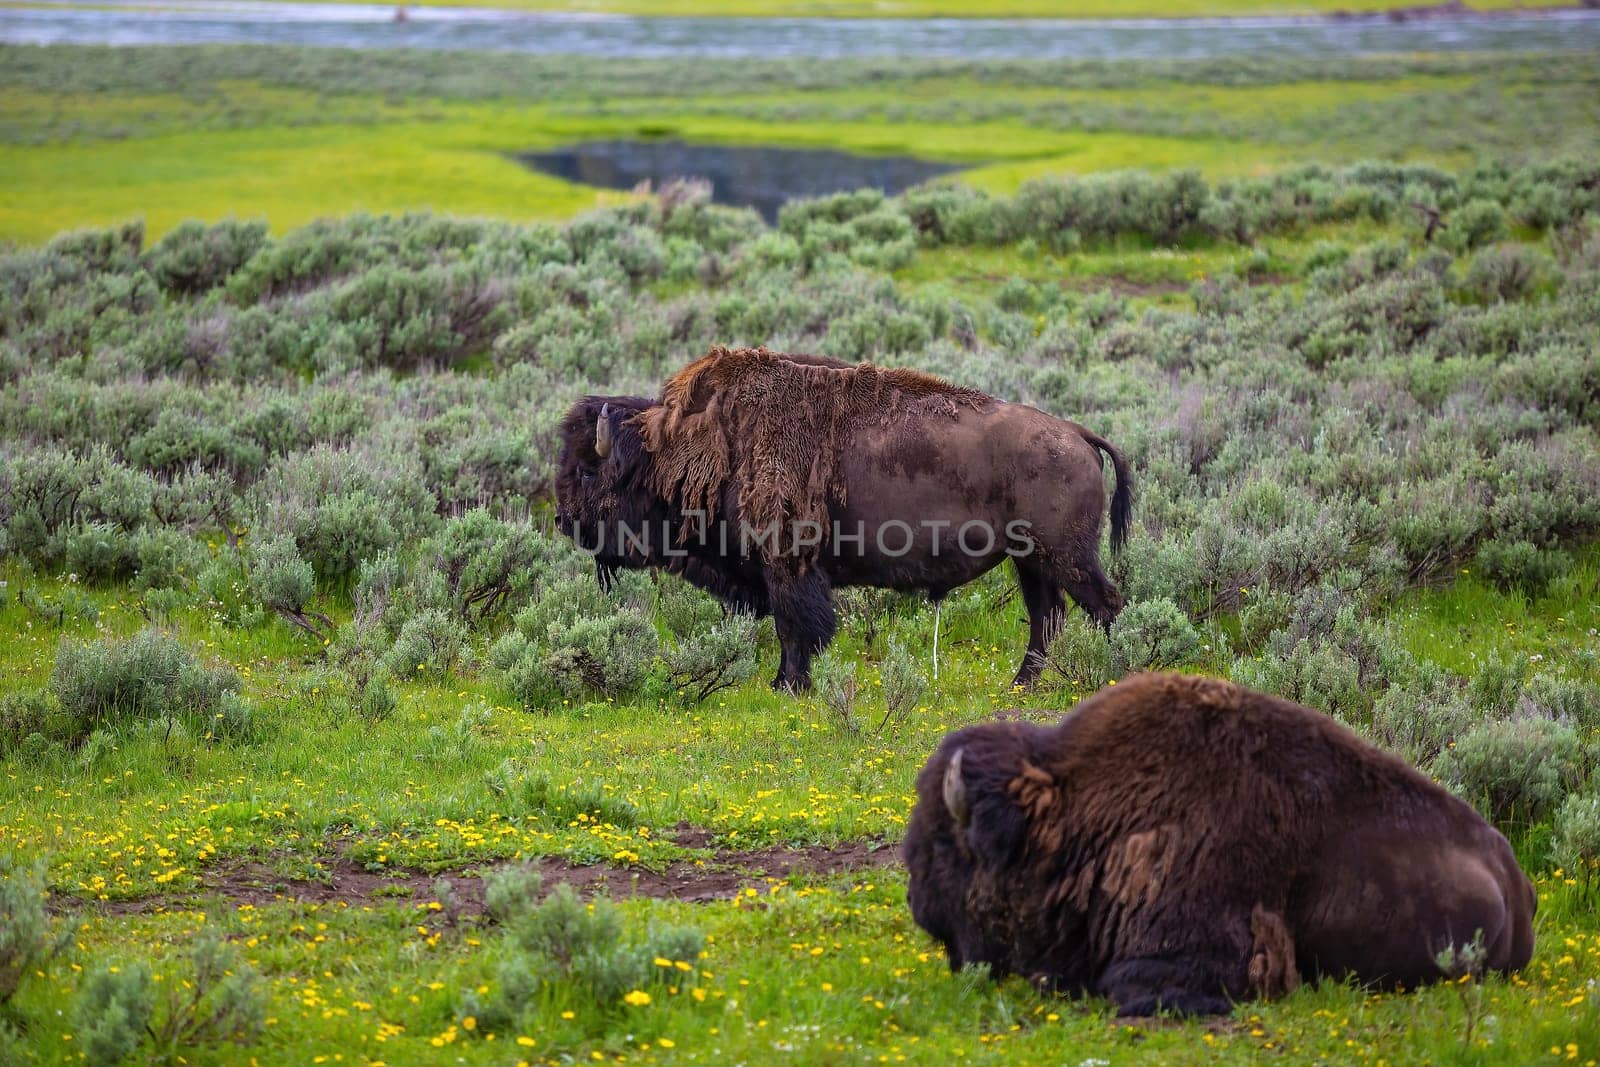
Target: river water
(143, 22)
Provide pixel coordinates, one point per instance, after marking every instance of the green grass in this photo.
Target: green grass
(305, 140)
(831, 969)
(363, 984)
(456, 158)
(1460, 624)
(808, 969)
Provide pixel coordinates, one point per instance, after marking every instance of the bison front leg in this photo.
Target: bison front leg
(1150, 986)
(1226, 960)
(802, 612)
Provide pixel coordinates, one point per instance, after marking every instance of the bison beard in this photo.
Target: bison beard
(749, 441)
(1181, 843)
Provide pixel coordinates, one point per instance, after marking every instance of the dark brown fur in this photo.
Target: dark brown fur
(1182, 843)
(754, 439)
(771, 428)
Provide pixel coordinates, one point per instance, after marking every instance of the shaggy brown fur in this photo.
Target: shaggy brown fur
(772, 480)
(772, 424)
(1181, 843)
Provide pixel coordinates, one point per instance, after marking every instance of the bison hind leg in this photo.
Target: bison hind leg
(1042, 582)
(1042, 596)
(1272, 969)
(1149, 986)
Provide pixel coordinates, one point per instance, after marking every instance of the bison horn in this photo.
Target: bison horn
(955, 791)
(602, 432)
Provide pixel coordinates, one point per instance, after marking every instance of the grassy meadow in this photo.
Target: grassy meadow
(95, 136)
(306, 713)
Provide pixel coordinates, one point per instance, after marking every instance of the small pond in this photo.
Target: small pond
(764, 178)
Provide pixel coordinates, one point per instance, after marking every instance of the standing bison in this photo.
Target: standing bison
(769, 480)
(1181, 843)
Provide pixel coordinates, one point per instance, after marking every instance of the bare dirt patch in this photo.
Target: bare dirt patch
(1038, 716)
(340, 880)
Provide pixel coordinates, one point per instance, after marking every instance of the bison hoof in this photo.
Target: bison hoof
(791, 686)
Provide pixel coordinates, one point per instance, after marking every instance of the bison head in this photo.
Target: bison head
(600, 487)
(979, 799)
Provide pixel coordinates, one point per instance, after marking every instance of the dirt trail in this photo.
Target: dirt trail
(342, 880)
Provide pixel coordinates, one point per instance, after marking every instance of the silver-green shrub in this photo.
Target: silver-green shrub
(706, 661)
(193, 257)
(1516, 770)
(576, 952)
(1575, 845)
(1152, 634)
(28, 939)
(113, 1011)
(573, 639)
(150, 675)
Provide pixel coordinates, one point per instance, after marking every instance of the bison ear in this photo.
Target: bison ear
(989, 814)
(1035, 791)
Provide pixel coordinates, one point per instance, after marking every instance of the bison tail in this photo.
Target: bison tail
(1122, 495)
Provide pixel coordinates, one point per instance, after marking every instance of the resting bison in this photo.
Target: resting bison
(1180, 843)
(769, 480)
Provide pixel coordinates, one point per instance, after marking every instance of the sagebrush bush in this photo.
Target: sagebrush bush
(511, 893)
(1520, 565)
(112, 1012)
(220, 999)
(194, 257)
(1419, 720)
(430, 643)
(50, 493)
(902, 682)
(574, 639)
(1504, 274)
(1564, 699)
(32, 721)
(1152, 634)
(149, 675)
(1317, 674)
(1475, 224)
(1575, 844)
(280, 580)
(1516, 771)
(165, 558)
(98, 552)
(487, 563)
(833, 680)
(706, 661)
(375, 700)
(576, 954)
(343, 505)
(27, 937)
(1079, 655)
